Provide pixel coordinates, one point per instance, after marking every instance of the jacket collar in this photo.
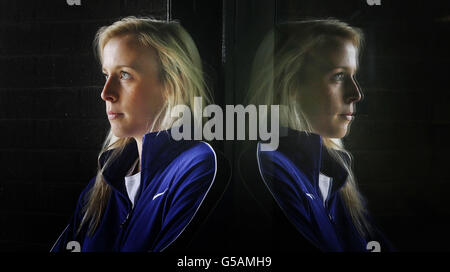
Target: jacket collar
(158, 149)
(307, 152)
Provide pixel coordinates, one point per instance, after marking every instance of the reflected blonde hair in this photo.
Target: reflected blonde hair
(275, 79)
(181, 75)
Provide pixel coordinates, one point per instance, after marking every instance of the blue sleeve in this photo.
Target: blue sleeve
(193, 180)
(70, 232)
(288, 193)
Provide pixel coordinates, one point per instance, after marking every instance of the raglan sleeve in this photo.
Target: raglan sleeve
(193, 179)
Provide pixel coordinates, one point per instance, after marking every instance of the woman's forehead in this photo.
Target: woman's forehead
(336, 53)
(125, 50)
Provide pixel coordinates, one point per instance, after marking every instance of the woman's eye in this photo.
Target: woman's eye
(106, 76)
(339, 77)
(124, 75)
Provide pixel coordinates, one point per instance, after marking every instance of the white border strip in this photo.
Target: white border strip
(59, 237)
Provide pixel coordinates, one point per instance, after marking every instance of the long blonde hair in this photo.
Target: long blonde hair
(276, 76)
(181, 75)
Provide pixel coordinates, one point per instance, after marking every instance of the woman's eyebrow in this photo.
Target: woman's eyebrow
(349, 68)
(329, 65)
(116, 67)
(340, 67)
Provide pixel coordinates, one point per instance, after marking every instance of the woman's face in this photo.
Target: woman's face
(328, 92)
(132, 91)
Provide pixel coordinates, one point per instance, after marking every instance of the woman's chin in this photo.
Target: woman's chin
(334, 132)
(118, 133)
(341, 133)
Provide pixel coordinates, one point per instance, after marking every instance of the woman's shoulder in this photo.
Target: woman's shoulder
(275, 161)
(193, 169)
(184, 157)
(198, 151)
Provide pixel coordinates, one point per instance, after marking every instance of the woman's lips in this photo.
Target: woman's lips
(114, 115)
(348, 116)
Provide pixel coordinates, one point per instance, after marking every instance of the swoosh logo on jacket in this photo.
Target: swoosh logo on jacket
(159, 194)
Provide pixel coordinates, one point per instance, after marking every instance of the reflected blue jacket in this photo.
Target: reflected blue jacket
(175, 178)
(291, 173)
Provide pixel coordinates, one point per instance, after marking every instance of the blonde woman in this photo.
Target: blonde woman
(148, 187)
(309, 68)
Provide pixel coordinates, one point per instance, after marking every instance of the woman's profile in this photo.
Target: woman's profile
(309, 68)
(148, 187)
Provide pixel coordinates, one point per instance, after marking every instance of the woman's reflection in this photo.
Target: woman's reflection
(309, 69)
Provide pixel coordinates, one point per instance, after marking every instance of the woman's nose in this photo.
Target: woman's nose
(354, 93)
(109, 92)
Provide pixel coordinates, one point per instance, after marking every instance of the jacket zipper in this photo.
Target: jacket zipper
(327, 199)
(124, 224)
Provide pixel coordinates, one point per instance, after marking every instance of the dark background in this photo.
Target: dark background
(52, 120)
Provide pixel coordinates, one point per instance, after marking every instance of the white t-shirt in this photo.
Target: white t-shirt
(324, 185)
(132, 184)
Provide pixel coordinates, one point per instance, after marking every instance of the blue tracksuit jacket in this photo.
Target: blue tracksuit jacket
(175, 178)
(291, 173)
